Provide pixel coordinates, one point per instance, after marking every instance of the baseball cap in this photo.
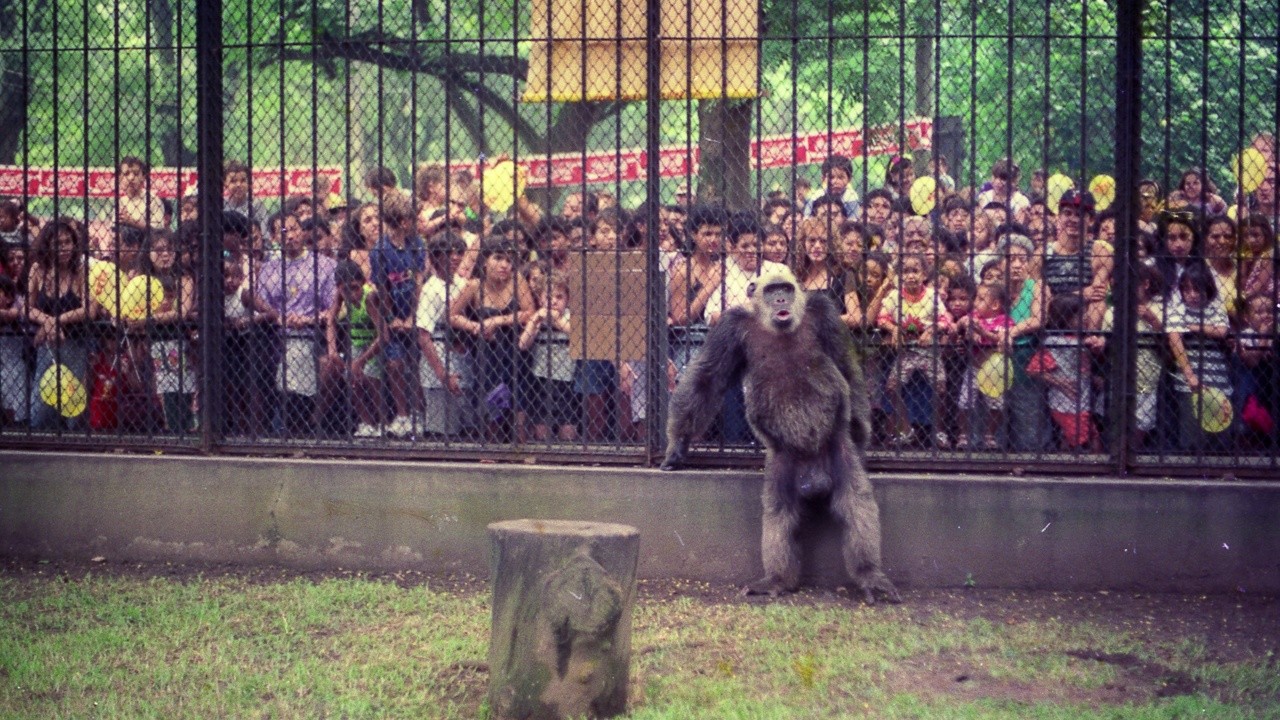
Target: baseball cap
(1080, 199)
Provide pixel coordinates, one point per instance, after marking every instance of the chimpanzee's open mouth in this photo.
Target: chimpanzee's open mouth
(784, 315)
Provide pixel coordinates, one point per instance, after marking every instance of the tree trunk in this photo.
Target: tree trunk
(561, 637)
(724, 138)
(175, 152)
(13, 109)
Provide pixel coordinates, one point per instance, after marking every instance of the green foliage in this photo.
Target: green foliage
(359, 83)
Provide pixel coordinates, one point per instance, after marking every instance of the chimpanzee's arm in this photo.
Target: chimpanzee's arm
(699, 395)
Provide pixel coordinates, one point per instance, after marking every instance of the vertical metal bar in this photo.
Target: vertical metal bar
(1128, 170)
(346, 116)
(656, 343)
(209, 150)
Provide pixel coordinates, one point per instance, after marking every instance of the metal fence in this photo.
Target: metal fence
(474, 229)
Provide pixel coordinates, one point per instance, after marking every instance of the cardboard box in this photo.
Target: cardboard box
(609, 305)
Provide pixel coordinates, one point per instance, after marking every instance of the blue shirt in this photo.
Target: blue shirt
(394, 270)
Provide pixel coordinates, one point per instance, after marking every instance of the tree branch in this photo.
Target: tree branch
(507, 111)
(469, 119)
(370, 50)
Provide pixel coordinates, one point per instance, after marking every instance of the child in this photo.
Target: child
(237, 191)
(398, 260)
(445, 367)
(983, 329)
(361, 365)
(243, 397)
(13, 364)
(992, 272)
(955, 355)
(546, 334)
(1063, 363)
(175, 380)
(1148, 358)
(136, 206)
(912, 315)
(1257, 371)
(1197, 329)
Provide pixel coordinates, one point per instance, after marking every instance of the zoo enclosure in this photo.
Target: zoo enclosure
(312, 96)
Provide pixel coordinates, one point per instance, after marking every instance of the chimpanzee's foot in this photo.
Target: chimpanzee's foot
(768, 585)
(874, 584)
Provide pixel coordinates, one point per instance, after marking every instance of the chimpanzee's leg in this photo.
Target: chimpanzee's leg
(854, 503)
(778, 547)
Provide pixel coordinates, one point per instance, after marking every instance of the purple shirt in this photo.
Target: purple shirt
(302, 286)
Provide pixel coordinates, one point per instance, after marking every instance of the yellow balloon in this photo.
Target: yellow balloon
(142, 297)
(1055, 187)
(503, 184)
(924, 195)
(1249, 168)
(995, 377)
(1233, 212)
(1212, 408)
(61, 389)
(104, 278)
(1103, 188)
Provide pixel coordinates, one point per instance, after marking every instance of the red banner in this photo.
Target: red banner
(560, 170)
(165, 182)
(774, 151)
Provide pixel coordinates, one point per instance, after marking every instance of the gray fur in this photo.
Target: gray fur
(807, 404)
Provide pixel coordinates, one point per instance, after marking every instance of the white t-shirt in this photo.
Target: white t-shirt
(1016, 203)
(733, 291)
(434, 302)
(233, 307)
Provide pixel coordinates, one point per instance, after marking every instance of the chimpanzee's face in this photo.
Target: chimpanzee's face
(779, 300)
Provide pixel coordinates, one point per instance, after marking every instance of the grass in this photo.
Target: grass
(116, 647)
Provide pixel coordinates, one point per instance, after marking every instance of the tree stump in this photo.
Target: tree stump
(560, 645)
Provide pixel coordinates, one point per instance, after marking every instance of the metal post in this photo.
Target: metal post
(656, 343)
(209, 123)
(1128, 169)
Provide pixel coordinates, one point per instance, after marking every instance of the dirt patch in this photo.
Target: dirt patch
(962, 678)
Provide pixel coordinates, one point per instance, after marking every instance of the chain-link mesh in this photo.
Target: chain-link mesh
(497, 229)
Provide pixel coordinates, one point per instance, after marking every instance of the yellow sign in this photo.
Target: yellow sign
(589, 50)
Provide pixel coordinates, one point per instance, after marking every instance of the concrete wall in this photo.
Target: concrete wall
(1059, 533)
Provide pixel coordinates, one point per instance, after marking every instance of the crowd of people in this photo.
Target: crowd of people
(984, 316)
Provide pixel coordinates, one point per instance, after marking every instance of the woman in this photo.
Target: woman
(1222, 254)
(172, 370)
(57, 294)
(693, 280)
(490, 308)
(1196, 192)
(1177, 241)
(1027, 409)
(817, 268)
(360, 235)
